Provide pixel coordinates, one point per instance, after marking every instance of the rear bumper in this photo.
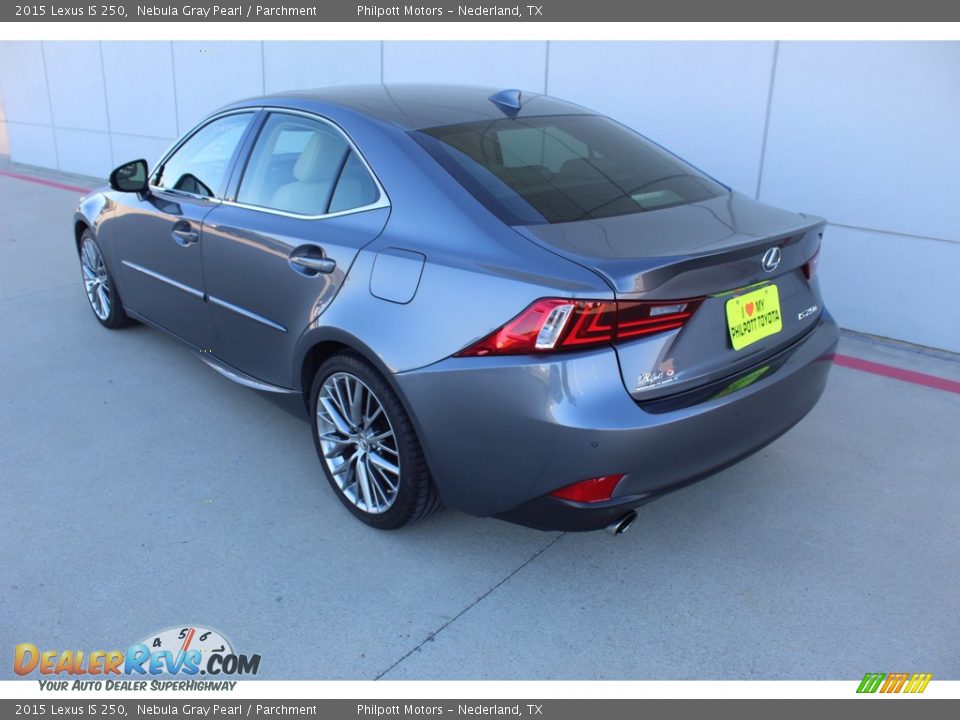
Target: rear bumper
(500, 434)
(551, 513)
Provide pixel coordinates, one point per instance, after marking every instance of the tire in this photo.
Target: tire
(358, 445)
(102, 294)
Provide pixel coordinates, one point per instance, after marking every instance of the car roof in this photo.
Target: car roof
(413, 107)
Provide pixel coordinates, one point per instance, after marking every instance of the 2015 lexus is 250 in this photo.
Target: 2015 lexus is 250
(489, 299)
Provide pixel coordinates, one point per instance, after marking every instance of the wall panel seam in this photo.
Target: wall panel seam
(106, 102)
(766, 120)
(173, 79)
(879, 231)
(53, 127)
(546, 71)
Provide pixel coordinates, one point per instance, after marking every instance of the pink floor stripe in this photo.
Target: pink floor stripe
(917, 378)
(48, 183)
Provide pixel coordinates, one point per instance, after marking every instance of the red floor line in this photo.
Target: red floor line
(48, 183)
(917, 378)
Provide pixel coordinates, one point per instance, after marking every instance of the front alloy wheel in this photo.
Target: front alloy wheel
(95, 279)
(367, 445)
(99, 286)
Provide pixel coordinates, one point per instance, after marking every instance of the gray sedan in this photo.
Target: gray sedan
(489, 299)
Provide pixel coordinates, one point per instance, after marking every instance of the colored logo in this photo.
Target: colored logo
(187, 651)
(894, 682)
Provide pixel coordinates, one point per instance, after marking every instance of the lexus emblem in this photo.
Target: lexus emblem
(771, 260)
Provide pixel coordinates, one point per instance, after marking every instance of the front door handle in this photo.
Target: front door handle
(311, 264)
(184, 235)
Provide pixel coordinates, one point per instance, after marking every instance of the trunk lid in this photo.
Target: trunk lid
(711, 250)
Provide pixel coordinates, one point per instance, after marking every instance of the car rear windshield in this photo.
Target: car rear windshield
(555, 169)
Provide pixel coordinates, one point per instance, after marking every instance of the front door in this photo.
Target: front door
(160, 237)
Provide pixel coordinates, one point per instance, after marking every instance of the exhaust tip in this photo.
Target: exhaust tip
(623, 524)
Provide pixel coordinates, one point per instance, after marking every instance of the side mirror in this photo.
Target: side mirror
(130, 177)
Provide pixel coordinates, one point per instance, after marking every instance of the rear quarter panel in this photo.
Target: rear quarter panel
(478, 273)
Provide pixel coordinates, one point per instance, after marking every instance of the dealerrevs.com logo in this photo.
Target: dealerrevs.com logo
(186, 652)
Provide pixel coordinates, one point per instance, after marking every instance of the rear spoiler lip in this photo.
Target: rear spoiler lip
(737, 228)
(652, 281)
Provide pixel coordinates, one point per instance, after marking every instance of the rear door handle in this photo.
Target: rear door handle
(311, 264)
(184, 235)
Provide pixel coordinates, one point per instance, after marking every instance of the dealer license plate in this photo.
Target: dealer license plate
(754, 316)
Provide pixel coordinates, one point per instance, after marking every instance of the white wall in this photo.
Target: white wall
(865, 134)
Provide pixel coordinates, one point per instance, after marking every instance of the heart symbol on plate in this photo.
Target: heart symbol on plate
(749, 309)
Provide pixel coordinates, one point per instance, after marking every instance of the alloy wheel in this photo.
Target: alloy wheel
(95, 279)
(358, 443)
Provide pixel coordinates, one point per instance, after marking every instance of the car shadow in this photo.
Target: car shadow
(290, 403)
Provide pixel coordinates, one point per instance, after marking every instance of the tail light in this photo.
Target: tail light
(588, 491)
(557, 324)
(811, 266)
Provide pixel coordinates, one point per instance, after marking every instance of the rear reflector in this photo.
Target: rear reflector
(811, 266)
(589, 491)
(555, 324)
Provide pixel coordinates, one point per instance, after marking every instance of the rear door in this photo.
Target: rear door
(276, 253)
(159, 237)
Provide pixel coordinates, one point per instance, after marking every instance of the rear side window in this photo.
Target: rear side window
(304, 167)
(355, 188)
(563, 168)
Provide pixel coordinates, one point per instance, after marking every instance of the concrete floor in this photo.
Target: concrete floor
(140, 490)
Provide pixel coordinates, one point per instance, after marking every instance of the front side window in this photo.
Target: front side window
(556, 169)
(304, 167)
(200, 165)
